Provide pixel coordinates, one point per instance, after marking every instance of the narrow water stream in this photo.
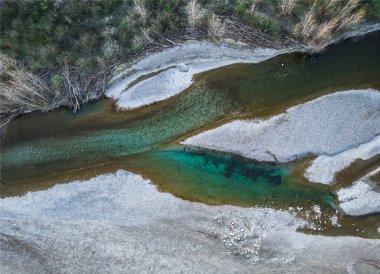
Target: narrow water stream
(40, 150)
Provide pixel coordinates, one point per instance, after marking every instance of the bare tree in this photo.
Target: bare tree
(216, 27)
(349, 15)
(194, 13)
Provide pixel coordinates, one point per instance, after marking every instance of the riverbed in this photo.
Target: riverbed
(40, 151)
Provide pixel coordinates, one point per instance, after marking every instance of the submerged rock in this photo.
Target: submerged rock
(182, 67)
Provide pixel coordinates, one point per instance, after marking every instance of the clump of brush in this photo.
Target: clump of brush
(22, 91)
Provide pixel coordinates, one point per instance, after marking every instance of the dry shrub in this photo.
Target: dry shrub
(332, 3)
(217, 27)
(194, 13)
(22, 91)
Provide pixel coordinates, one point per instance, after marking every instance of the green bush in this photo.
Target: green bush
(221, 6)
(241, 8)
(374, 7)
(264, 23)
(47, 34)
(57, 82)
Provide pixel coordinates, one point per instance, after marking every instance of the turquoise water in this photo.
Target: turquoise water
(222, 178)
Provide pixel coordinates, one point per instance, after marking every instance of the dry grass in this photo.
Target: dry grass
(254, 5)
(307, 26)
(317, 30)
(287, 6)
(22, 91)
(140, 10)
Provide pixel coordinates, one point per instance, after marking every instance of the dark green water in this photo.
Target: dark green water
(293, 77)
(39, 150)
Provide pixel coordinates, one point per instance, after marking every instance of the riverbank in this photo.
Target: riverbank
(163, 74)
(121, 221)
(104, 83)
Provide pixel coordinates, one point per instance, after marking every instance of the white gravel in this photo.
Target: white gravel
(120, 223)
(362, 198)
(323, 168)
(328, 125)
(178, 65)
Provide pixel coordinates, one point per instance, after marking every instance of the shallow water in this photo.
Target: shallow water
(39, 150)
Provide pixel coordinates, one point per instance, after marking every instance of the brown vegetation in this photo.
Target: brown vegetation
(22, 91)
(287, 6)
